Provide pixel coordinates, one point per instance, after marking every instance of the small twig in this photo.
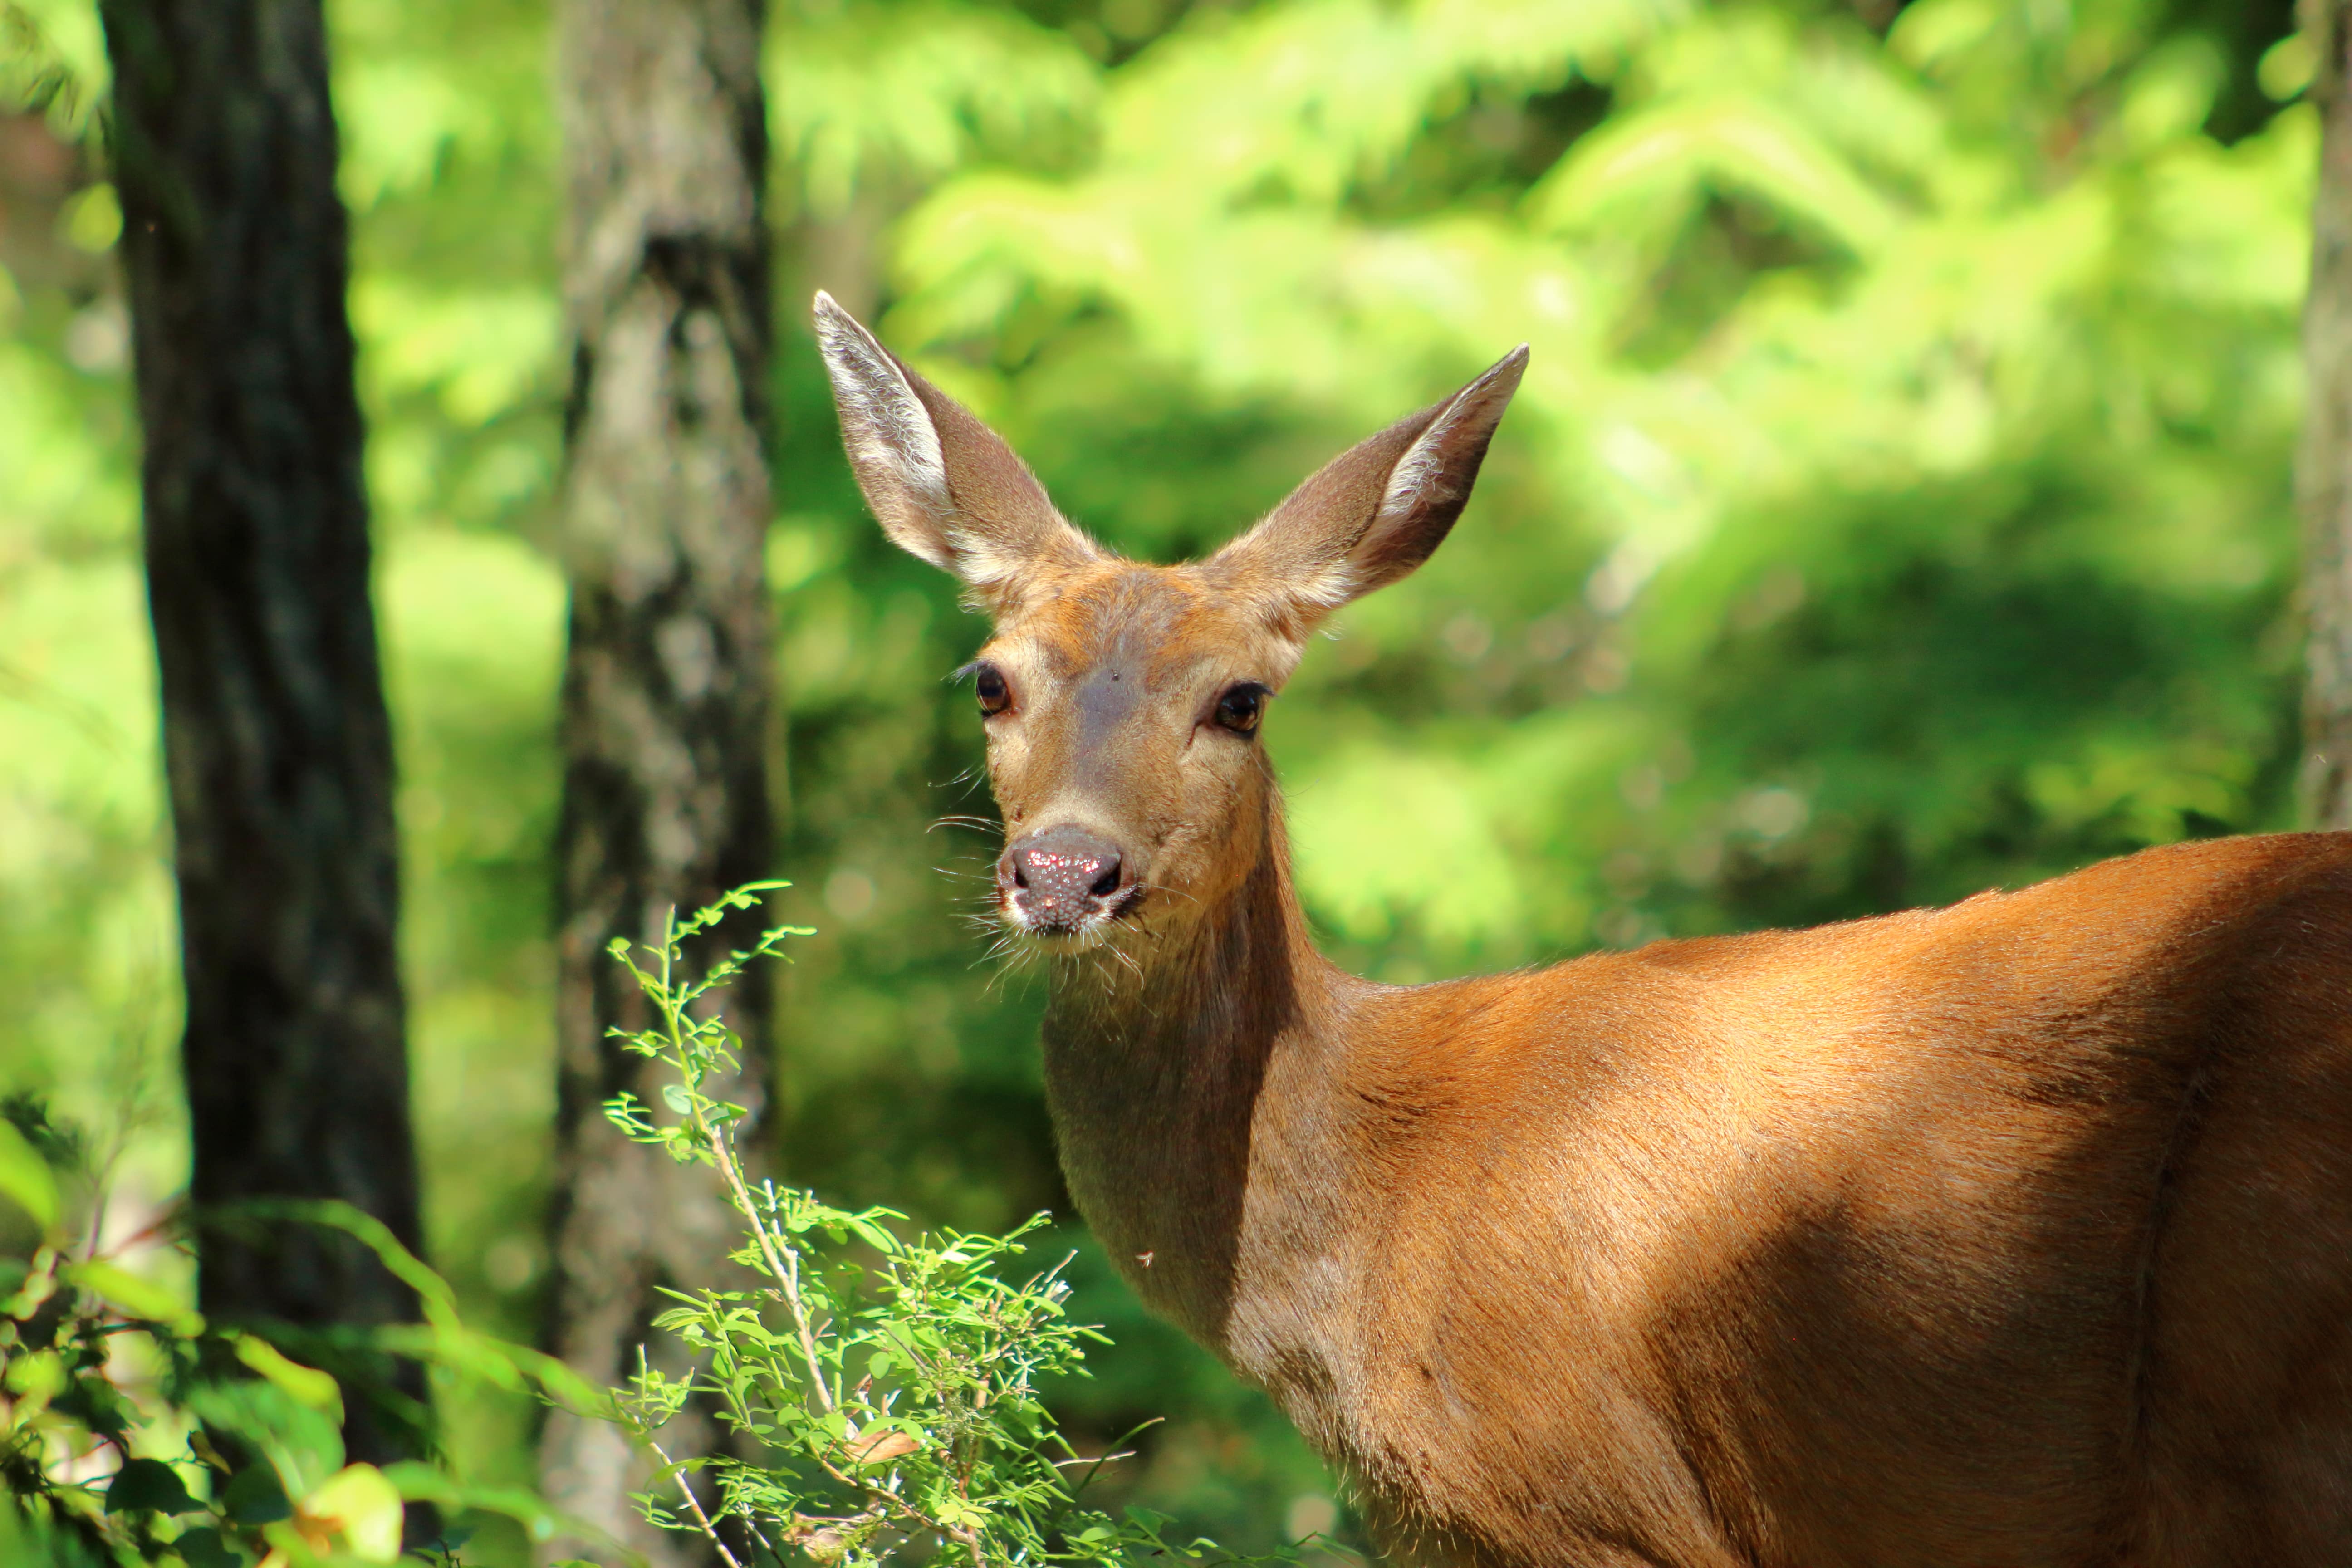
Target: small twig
(724, 1157)
(752, 1523)
(695, 1503)
(1097, 1461)
(887, 1502)
(1096, 1468)
(789, 1279)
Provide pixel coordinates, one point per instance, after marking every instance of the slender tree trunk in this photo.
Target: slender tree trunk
(666, 696)
(274, 735)
(2324, 469)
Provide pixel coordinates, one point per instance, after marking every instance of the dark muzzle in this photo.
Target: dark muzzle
(1054, 880)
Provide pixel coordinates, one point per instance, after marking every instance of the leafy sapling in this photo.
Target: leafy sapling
(888, 1403)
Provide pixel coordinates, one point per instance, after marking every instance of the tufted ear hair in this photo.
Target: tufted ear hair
(942, 485)
(1373, 514)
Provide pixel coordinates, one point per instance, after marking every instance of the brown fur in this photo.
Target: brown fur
(2014, 1233)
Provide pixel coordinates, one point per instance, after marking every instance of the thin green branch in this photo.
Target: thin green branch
(687, 1491)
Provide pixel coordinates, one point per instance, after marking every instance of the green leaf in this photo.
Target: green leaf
(361, 1505)
(874, 1235)
(203, 1548)
(256, 1496)
(420, 1482)
(452, 1537)
(26, 1179)
(150, 1485)
(678, 1099)
(301, 1445)
(138, 1298)
(307, 1383)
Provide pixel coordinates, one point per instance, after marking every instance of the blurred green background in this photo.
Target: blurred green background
(1898, 504)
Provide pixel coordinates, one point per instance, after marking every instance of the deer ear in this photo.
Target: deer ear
(943, 485)
(1375, 512)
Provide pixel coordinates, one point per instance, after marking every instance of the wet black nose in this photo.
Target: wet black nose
(1056, 879)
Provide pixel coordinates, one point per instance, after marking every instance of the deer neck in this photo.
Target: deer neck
(1193, 1095)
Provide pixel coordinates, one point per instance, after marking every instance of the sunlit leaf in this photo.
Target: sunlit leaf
(138, 1297)
(25, 1177)
(312, 1386)
(356, 1509)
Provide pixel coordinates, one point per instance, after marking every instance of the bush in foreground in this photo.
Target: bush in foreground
(884, 1388)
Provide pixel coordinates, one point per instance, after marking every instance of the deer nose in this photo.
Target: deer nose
(1052, 881)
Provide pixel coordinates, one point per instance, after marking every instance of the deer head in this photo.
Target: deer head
(1122, 701)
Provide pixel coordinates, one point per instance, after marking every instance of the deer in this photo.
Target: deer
(2013, 1232)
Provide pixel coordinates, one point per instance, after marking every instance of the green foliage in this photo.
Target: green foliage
(52, 60)
(897, 1406)
(1904, 445)
(241, 1454)
(134, 1431)
(870, 94)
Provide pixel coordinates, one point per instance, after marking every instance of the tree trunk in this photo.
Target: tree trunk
(2324, 469)
(275, 736)
(666, 696)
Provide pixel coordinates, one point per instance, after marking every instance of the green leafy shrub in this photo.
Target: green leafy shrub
(133, 1431)
(890, 1386)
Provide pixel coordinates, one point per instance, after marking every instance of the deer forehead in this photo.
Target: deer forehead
(1116, 632)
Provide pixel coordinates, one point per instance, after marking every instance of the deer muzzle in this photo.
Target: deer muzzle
(1060, 881)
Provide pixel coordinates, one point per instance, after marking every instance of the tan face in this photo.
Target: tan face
(1122, 701)
(1123, 714)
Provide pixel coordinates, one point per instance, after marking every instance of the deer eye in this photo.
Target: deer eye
(988, 685)
(1240, 709)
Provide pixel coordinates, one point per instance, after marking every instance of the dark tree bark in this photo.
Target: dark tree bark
(666, 696)
(274, 735)
(2324, 469)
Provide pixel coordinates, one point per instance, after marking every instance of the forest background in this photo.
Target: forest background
(1899, 504)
